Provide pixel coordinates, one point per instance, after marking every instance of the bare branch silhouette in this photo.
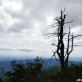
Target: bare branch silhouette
(63, 51)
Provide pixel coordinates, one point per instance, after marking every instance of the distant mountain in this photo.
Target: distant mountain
(78, 59)
(6, 65)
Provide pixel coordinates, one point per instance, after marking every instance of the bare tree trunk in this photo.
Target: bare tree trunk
(62, 51)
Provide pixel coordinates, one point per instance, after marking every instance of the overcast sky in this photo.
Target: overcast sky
(23, 23)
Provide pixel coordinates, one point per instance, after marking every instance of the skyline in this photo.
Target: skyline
(23, 24)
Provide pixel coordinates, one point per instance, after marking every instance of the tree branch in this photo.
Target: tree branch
(54, 54)
(68, 22)
(75, 36)
(50, 34)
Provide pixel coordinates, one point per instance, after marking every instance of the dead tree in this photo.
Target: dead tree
(63, 50)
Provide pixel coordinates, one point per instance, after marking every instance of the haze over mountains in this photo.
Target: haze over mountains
(8, 58)
(6, 63)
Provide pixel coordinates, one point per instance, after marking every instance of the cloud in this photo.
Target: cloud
(13, 6)
(26, 50)
(6, 49)
(23, 22)
(77, 30)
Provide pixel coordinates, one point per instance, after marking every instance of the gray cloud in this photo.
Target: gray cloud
(19, 27)
(26, 50)
(39, 9)
(31, 22)
(6, 49)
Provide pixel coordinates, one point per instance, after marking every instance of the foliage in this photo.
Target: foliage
(34, 72)
(1, 80)
(21, 73)
(18, 73)
(72, 74)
